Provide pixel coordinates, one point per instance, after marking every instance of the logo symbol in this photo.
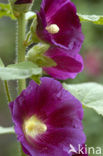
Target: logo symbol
(72, 149)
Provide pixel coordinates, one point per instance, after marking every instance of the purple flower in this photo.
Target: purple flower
(23, 1)
(47, 119)
(59, 24)
(69, 63)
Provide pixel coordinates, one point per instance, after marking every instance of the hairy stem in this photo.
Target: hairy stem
(21, 47)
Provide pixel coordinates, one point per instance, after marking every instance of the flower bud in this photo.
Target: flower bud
(37, 55)
(38, 49)
(33, 28)
(21, 6)
(23, 1)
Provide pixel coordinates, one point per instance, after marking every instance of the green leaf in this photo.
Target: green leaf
(90, 95)
(33, 27)
(96, 19)
(44, 61)
(5, 10)
(8, 130)
(19, 71)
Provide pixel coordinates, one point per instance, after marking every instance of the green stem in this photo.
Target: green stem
(21, 47)
(7, 91)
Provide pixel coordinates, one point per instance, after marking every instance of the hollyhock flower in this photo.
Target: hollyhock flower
(69, 63)
(23, 1)
(59, 24)
(47, 119)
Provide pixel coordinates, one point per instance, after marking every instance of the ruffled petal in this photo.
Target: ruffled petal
(24, 104)
(69, 64)
(70, 35)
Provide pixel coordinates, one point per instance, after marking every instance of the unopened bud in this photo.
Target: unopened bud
(38, 49)
(23, 1)
(21, 6)
(37, 56)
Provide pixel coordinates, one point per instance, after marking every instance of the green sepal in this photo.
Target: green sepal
(40, 48)
(36, 78)
(20, 8)
(33, 28)
(30, 15)
(36, 55)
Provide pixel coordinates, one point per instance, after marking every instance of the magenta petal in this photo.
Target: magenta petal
(24, 105)
(61, 112)
(41, 31)
(70, 34)
(51, 7)
(69, 64)
(62, 137)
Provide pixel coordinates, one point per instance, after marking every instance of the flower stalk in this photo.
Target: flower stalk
(21, 47)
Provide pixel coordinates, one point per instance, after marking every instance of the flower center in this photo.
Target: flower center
(34, 126)
(53, 29)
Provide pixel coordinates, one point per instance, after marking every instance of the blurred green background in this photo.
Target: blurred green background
(92, 51)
